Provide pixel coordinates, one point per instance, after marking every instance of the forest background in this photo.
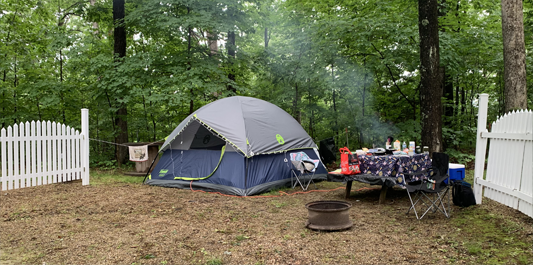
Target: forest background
(344, 69)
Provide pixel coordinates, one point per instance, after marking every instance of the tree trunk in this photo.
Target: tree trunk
(514, 55)
(430, 79)
(334, 97)
(456, 109)
(361, 134)
(189, 63)
(295, 112)
(266, 38)
(212, 42)
(463, 102)
(448, 94)
(309, 88)
(120, 52)
(15, 91)
(95, 24)
(231, 50)
(446, 78)
(231, 54)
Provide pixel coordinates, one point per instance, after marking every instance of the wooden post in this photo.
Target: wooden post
(481, 146)
(348, 188)
(383, 193)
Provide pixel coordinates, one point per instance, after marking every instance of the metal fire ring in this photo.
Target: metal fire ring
(329, 215)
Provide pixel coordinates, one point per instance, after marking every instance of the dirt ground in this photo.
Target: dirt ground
(122, 223)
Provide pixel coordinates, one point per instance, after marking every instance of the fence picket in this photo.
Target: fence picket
(10, 159)
(3, 153)
(526, 183)
(16, 176)
(68, 166)
(43, 152)
(31, 155)
(54, 151)
(77, 154)
(509, 178)
(38, 143)
(49, 152)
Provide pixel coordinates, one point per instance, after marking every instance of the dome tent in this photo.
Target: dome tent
(236, 145)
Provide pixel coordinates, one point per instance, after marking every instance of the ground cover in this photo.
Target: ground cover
(117, 220)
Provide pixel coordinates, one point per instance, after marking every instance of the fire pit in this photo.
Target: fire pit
(328, 215)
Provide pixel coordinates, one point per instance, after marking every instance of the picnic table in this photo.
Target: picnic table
(385, 170)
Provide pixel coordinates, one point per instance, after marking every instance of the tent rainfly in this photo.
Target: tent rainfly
(236, 145)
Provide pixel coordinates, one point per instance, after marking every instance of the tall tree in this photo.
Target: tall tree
(514, 55)
(231, 48)
(430, 77)
(121, 123)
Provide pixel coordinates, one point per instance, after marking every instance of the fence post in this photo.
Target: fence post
(85, 146)
(3, 143)
(481, 146)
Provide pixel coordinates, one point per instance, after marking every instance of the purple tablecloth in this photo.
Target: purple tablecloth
(395, 166)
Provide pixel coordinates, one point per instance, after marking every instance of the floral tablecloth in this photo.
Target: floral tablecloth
(394, 166)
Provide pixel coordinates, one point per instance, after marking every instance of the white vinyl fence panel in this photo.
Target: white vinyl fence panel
(509, 176)
(40, 153)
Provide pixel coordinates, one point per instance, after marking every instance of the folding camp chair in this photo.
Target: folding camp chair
(303, 169)
(430, 194)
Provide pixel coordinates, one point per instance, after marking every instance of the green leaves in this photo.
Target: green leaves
(330, 64)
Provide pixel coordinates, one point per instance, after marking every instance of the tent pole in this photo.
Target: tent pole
(150, 168)
(246, 174)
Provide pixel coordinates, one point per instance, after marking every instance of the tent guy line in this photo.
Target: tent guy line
(98, 140)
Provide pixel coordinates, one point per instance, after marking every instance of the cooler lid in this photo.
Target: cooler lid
(455, 166)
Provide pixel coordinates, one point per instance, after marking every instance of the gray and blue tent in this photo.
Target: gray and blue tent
(236, 145)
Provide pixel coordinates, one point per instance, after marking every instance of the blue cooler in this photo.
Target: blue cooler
(456, 172)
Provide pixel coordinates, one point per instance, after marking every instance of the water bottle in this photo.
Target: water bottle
(404, 145)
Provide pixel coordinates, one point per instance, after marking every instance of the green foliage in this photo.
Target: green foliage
(332, 65)
(460, 157)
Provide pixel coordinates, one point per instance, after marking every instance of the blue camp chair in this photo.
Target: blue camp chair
(302, 170)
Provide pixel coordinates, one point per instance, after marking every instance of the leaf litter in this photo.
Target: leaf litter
(68, 223)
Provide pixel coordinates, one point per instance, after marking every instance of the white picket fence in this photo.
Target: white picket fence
(40, 153)
(509, 176)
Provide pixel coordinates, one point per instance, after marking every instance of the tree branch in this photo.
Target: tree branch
(394, 79)
(62, 20)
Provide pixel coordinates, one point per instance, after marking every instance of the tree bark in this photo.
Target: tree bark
(120, 52)
(430, 78)
(266, 38)
(463, 101)
(231, 54)
(295, 110)
(335, 115)
(448, 94)
(15, 91)
(95, 24)
(212, 42)
(514, 55)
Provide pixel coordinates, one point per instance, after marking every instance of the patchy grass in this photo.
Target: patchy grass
(110, 177)
(118, 220)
